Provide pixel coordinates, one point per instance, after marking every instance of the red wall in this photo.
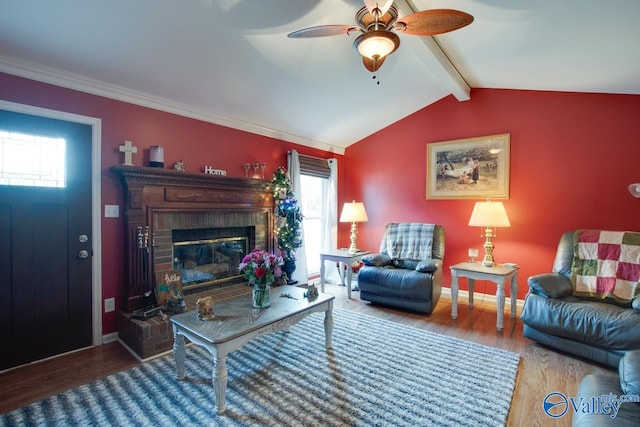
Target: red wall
(572, 157)
(196, 142)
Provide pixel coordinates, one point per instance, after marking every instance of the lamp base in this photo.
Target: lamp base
(353, 248)
(488, 261)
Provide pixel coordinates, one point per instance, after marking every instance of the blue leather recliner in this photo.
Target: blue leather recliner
(407, 271)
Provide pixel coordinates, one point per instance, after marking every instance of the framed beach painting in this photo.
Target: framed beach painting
(472, 168)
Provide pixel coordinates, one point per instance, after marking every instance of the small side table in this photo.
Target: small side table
(341, 256)
(499, 274)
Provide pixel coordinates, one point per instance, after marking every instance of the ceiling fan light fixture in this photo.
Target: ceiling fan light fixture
(376, 44)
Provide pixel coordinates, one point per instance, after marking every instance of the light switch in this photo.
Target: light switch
(111, 211)
(109, 305)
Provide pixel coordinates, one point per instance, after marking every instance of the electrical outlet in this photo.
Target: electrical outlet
(109, 305)
(111, 211)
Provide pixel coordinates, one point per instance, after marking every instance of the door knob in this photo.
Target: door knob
(83, 254)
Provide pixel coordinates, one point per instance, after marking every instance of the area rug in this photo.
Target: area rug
(379, 373)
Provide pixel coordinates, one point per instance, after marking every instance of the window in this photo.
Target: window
(312, 202)
(314, 180)
(32, 160)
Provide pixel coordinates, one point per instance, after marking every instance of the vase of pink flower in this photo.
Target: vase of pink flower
(261, 269)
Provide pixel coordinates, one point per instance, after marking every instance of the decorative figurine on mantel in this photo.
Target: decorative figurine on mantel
(205, 308)
(128, 149)
(180, 166)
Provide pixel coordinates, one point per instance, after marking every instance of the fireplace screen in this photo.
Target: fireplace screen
(211, 260)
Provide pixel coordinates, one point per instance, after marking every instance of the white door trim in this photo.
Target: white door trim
(96, 191)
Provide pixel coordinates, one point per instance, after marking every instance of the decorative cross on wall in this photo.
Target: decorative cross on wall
(128, 149)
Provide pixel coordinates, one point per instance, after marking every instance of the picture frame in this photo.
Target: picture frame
(472, 168)
(168, 286)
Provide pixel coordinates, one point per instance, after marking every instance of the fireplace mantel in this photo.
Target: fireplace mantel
(152, 193)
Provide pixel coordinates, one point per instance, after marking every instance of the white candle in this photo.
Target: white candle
(156, 156)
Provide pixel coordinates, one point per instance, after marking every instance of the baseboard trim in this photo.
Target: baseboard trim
(106, 339)
(463, 298)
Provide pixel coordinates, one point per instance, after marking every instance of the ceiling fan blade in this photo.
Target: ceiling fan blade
(432, 22)
(382, 5)
(324, 31)
(372, 65)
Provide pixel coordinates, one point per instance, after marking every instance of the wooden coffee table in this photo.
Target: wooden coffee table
(236, 323)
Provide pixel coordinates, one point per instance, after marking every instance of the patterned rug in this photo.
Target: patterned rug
(379, 373)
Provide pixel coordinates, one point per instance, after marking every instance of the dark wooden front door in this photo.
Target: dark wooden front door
(45, 277)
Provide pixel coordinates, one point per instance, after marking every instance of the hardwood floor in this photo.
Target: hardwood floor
(541, 370)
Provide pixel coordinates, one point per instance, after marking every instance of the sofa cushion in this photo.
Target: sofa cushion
(629, 370)
(428, 265)
(596, 323)
(377, 260)
(395, 282)
(596, 385)
(551, 285)
(409, 264)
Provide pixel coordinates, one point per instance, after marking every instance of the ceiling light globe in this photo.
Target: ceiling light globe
(377, 44)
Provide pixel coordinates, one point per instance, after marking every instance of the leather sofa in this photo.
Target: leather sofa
(601, 330)
(602, 389)
(407, 272)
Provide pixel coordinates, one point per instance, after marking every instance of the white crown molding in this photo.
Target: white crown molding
(33, 71)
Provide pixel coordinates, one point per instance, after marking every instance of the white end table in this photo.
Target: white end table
(341, 256)
(499, 274)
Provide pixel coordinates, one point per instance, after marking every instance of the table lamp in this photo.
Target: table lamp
(489, 215)
(353, 212)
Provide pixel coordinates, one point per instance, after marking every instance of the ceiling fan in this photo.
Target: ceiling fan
(378, 20)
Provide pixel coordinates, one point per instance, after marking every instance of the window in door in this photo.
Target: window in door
(31, 160)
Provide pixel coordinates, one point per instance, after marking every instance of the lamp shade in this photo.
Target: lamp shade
(489, 214)
(354, 212)
(634, 189)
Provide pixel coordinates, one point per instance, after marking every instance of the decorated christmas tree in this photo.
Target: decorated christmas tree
(287, 215)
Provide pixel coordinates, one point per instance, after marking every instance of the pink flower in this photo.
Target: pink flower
(260, 266)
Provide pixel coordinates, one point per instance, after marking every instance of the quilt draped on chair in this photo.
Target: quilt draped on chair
(408, 241)
(606, 264)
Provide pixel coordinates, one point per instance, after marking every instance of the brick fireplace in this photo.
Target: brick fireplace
(166, 207)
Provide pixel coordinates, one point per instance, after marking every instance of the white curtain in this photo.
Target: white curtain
(330, 221)
(300, 274)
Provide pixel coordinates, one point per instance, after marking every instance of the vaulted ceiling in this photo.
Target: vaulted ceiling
(230, 61)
